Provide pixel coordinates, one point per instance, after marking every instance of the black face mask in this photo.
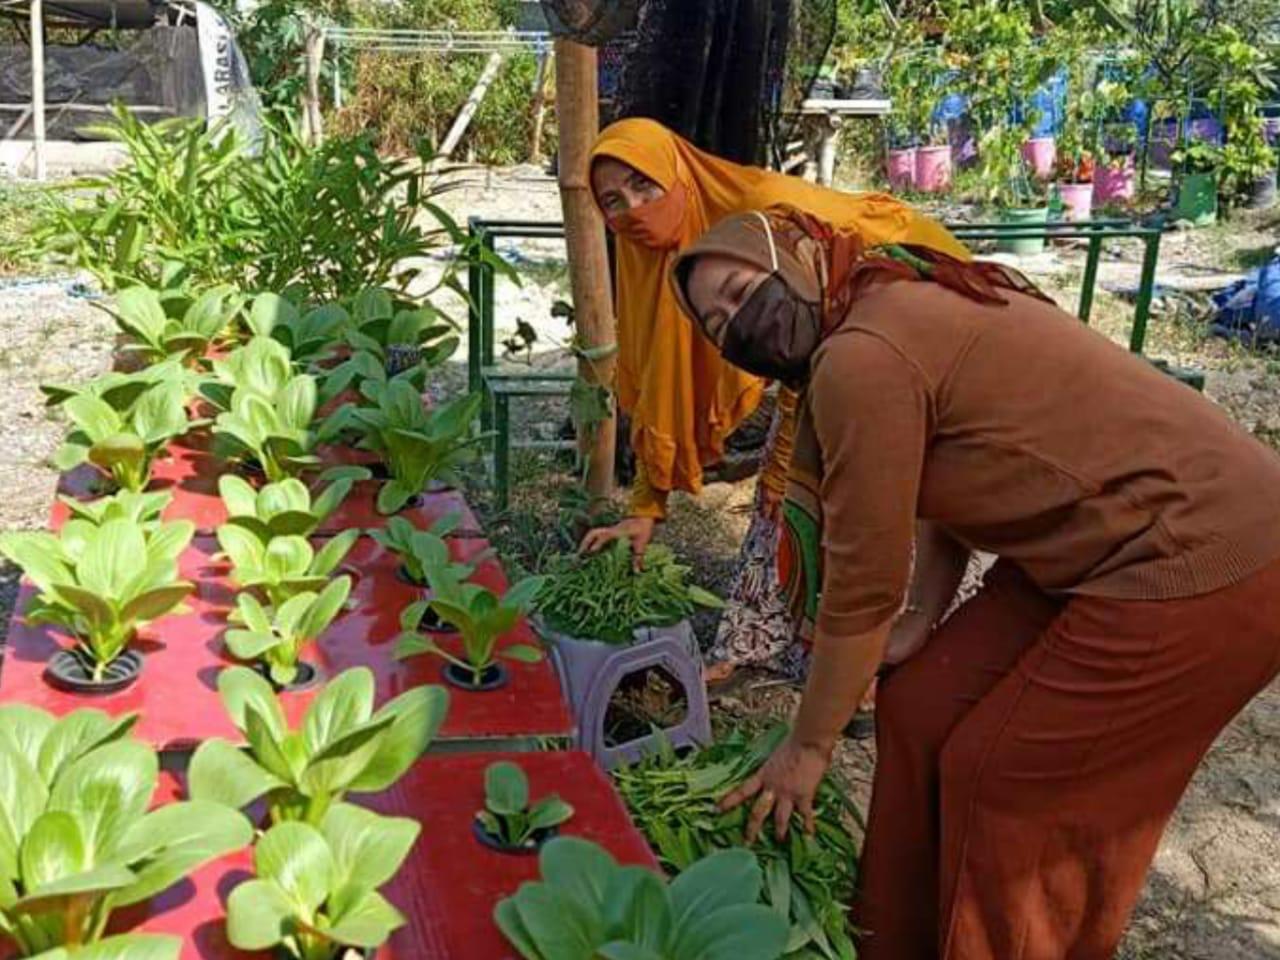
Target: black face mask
(773, 334)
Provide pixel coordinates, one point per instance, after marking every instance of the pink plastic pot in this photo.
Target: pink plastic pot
(1077, 200)
(1041, 154)
(933, 169)
(1113, 184)
(900, 167)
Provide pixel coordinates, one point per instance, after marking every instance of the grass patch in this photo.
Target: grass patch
(19, 207)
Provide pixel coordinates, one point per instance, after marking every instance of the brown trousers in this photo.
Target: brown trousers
(1030, 756)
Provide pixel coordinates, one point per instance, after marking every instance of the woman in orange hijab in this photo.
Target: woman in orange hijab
(659, 194)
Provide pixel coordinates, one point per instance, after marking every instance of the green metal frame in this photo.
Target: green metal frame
(498, 387)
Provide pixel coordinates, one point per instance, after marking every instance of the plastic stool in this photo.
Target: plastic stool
(590, 672)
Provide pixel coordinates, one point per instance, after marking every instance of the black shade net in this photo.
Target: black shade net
(729, 75)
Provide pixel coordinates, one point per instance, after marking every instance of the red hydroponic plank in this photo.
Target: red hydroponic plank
(190, 473)
(450, 882)
(176, 695)
(177, 692)
(530, 705)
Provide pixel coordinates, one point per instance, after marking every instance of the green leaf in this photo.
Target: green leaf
(296, 857)
(155, 603)
(249, 645)
(133, 946)
(56, 896)
(242, 689)
(393, 496)
(416, 716)
(252, 613)
(368, 849)
(333, 552)
(225, 774)
(320, 613)
(270, 310)
(622, 950)
(506, 916)
(259, 915)
(636, 908)
(741, 932)
(238, 495)
(52, 849)
(578, 867)
(550, 811)
(724, 879)
(506, 788)
(523, 652)
(342, 705)
(139, 312)
(562, 927)
(106, 790)
(176, 839)
(268, 750)
(367, 923)
(297, 402)
(110, 557)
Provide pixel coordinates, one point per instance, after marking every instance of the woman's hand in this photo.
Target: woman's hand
(787, 782)
(639, 530)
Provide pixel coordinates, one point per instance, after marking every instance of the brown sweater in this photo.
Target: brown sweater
(1025, 434)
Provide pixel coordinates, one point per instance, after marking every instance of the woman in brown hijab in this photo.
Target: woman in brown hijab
(1031, 748)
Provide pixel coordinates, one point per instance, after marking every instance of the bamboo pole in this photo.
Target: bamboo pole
(463, 119)
(578, 112)
(539, 106)
(37, 86)
(313, 55)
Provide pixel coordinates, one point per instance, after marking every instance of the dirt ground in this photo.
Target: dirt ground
(1214, 890)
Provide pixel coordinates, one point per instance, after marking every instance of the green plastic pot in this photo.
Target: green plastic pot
(1197, 199)
(1023, 216)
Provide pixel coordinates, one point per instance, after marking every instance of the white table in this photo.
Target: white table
(822, 120)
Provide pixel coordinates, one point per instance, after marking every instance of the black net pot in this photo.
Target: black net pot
(492, 677)
(72, 671)
(487, 839)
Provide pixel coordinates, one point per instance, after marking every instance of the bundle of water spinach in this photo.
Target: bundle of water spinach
(809, 880)
(603, 597)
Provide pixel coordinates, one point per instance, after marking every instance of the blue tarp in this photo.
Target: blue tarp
(1249, 309)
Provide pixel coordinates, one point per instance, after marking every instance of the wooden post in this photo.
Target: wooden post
(37, 85)
(463, 119)
(539, 106)
(578, 112)
(313, 57)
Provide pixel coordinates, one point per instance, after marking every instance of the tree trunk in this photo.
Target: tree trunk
(313, 57)
(578, 114)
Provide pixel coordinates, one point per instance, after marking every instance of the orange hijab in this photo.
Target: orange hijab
(683, 399)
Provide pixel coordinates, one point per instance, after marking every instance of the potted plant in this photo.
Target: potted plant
(1200, 164)
(159, 325)
(584, 897)
(82, 836)
(1237, 72)
(275, 638)
(481, 618)
(508, 823)
(267, 410)
(423, 555)
(602, 598)
(280, 568)
(417, 445)
(1076, 146)
(101, 584)
(1007, 185)
(289, 507)
(342, 746)
(315, 894)
(143, 509)
(122, 444)
(309, 336)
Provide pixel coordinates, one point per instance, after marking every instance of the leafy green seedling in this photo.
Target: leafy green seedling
(343, 745)
(586, 905)
(422, 551)
(284, 566)
(417, 444)
(316, 890)
(480, 616)
(128, 946)
(278, 638)
(267, 409)
(507, 816)
(120, 390)
(308, 336)
(101, 583)
(143, 509)
(389, 344)
(79, 838)
(123, 444)
(173, 326)
(288, 507)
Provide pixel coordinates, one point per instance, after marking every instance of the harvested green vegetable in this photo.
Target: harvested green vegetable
(808, 879)
(602, 596)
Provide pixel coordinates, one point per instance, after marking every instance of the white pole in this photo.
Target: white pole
(37, 83)
(463, 119)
